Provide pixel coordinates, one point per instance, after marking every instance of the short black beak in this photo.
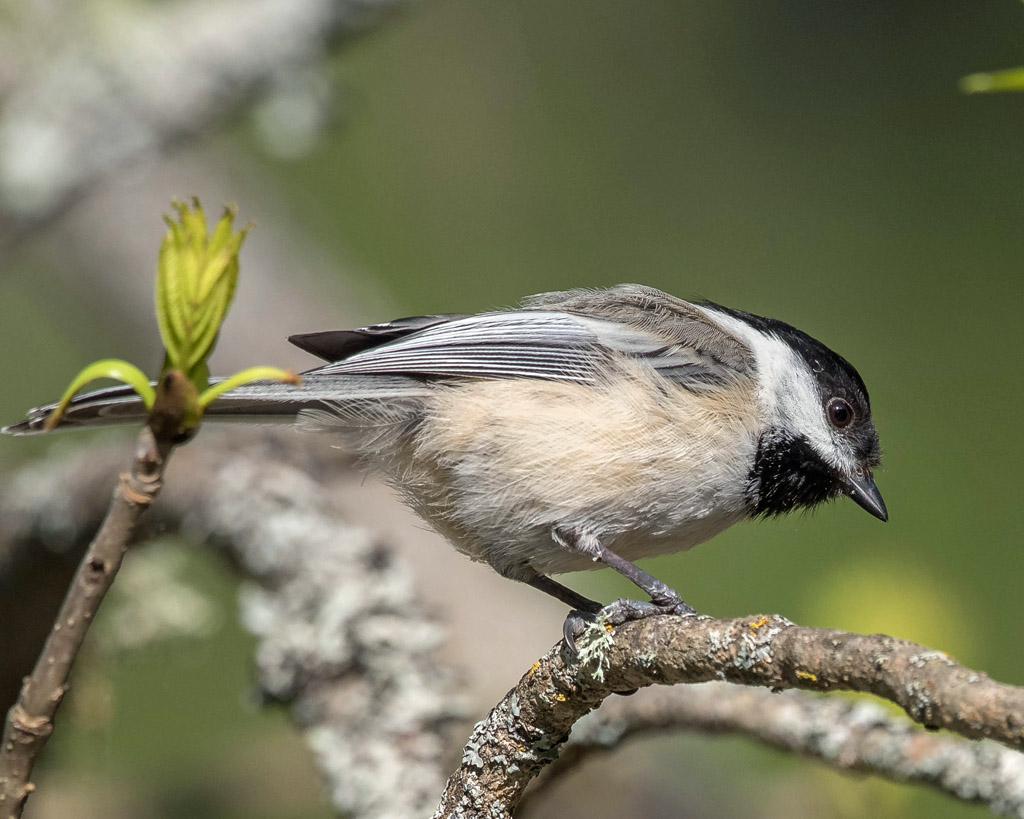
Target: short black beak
(865, 494)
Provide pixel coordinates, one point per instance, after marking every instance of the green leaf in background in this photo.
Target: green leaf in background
(1009, 79)
(106, 368)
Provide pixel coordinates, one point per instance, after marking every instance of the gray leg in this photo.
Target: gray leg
(525, 573)
(660, 594)
(583, 608)
(571, 598)
(664, 599)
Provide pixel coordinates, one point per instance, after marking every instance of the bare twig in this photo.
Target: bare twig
(523, 732)
(30, 720)
(847, 734)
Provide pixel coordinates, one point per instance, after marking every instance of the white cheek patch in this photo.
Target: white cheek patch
(798, 404)
(788, 391)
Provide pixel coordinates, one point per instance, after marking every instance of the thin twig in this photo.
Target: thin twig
(30, 720)
(522, 734)
(847, 734)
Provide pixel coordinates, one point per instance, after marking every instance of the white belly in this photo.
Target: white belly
(497, 464)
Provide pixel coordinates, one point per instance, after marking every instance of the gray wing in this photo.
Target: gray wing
(571, 336)
(543, 344)
(637, 306)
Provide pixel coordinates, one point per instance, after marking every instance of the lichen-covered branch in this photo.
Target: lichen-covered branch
(522, 734)
(848, 734)
(30, 720)
(343, 636)
(82, 97)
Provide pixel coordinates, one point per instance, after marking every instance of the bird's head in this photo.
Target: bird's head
(818, 439)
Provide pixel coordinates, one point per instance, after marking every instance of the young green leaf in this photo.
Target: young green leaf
(197, 272)
(106, 368)
(247, 376)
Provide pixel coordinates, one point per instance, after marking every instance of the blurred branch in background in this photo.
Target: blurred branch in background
(342, 636)
(522, 734)
(87, 89)
(852, 735)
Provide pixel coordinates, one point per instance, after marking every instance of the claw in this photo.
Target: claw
(575, 624)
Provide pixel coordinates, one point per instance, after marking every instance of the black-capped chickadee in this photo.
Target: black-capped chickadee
(585, 428)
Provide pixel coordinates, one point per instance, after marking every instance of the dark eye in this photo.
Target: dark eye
(840, 413)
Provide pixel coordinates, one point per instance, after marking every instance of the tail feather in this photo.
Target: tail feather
(348, 396)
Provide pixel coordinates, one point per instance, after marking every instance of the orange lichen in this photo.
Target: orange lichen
(756, 624)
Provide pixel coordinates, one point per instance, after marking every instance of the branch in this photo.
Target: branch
(847, 734)
(30, 720)
(79, 101)
(343, 637)
(522, 734)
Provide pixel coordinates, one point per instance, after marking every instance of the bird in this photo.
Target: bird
(582, 428)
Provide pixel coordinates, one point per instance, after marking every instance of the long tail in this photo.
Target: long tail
(322, 400)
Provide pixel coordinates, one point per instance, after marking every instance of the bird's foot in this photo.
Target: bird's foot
(622, 611)
(625, 610)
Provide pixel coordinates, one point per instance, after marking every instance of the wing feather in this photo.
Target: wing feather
(542, 344)
(489, 345)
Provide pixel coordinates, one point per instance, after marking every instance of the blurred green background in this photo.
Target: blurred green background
(805, 160)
